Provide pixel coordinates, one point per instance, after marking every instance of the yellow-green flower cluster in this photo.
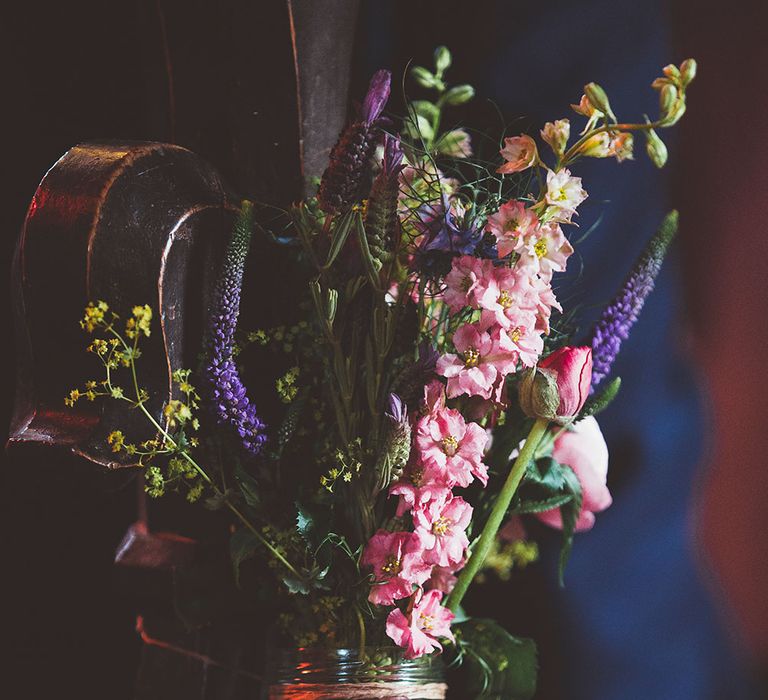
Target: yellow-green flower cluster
(139, 323)
(286, 385)
(347, 464)
(95, 314)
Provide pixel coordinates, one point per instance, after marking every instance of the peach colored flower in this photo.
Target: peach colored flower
(520, 154)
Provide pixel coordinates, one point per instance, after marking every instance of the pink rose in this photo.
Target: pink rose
(574, 376)
(583, 449)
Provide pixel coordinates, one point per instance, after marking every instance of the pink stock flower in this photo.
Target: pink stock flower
(511, 224)
(440, 526)
(418, 630)
(443, 578)
(545, 250)
(520, 154)
(564, 193)
(398, 565)
(434, 396)
(584, 450)
(452, 447)
(483, 357)
(469, 283)
(573, 369)
(418, 486)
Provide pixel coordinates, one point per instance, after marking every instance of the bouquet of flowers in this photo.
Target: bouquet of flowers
(429, 387)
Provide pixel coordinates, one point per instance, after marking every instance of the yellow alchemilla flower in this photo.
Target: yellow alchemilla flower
(143, 316)
(94, 315)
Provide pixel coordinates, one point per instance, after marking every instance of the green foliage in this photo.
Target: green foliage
(494, 662)
(549, 484)
(598, 402)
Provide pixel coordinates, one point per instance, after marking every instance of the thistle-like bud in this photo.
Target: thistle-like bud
(599, 99)
(381, 222)
(342, 180)
(397, 443)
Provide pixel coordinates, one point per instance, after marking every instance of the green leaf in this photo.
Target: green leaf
(426, 109)
(495, 662)
(249, 487)
(304, 523)
(569, 513)
(242, 545)
(548, 474)
(339, 238)
(599, 402)
(296, 585)
(542, 505)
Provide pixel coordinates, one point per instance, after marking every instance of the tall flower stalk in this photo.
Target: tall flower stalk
(620, 315)
(227, 391)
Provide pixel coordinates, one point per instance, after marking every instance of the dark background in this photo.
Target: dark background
(84, 70)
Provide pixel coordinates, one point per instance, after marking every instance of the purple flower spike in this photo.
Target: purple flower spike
(377, 96)
(226, 390)
(620, 315)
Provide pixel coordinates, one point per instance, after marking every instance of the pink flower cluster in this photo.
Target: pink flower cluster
(515, 298)
(421, 564)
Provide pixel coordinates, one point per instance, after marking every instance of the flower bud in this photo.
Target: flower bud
(425, 78)
(598, 98)
(538, 394)
(655, 148)
(667, 98)
(597, 146)
(459, 95)
(442, 59)
(671, 71)
(556, 134)
(573, 369)
(687, 71)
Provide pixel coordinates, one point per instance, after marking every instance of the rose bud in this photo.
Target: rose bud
(583, 449)
(558, 387)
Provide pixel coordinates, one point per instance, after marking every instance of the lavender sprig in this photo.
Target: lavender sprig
(620, 315)
(342, 179)
(381, 222)
(225, 388)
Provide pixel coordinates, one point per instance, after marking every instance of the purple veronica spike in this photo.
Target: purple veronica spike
(619, 316)
(376, 97)
(226, 389)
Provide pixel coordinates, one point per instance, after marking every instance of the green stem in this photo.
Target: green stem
(487, 537)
